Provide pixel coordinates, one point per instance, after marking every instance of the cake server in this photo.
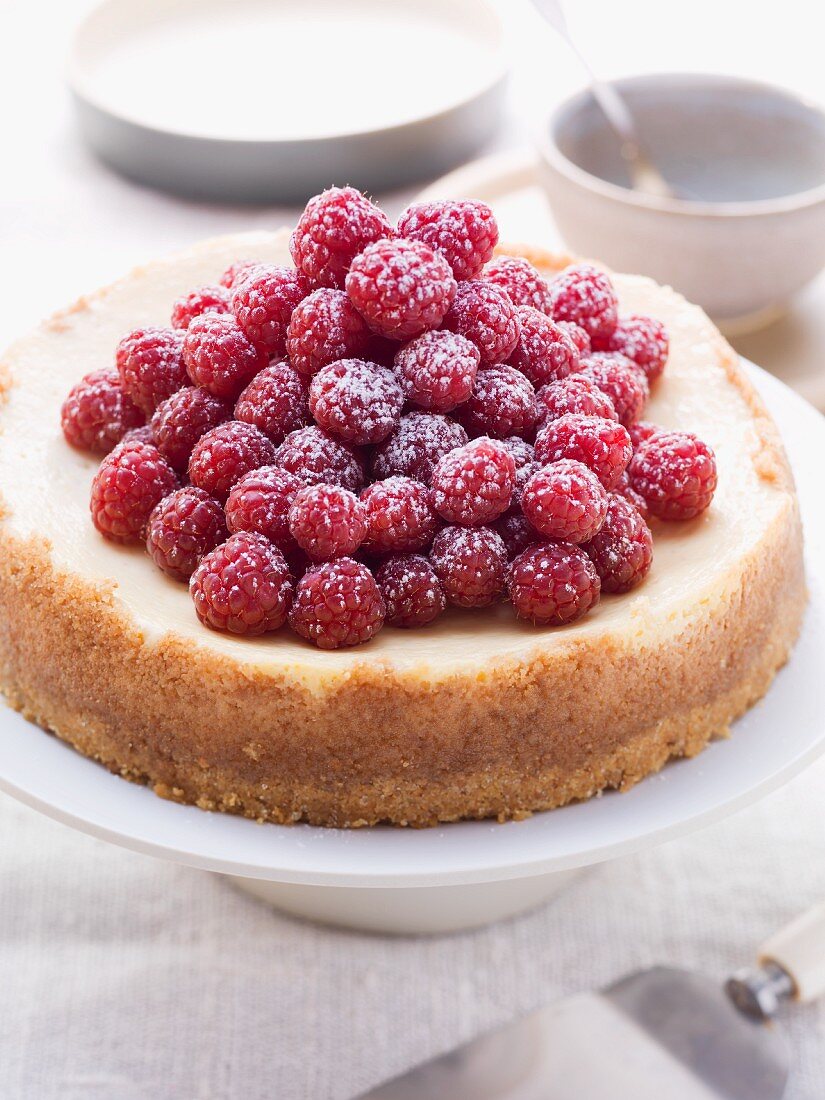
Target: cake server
(656, 1033)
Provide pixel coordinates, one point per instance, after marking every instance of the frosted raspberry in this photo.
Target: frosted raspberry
(579, 337)
(400, 518)
(584, 295)
(676, 474)
(314, 456)
(565, 501)
(324, 327)
(183, 527)
(263, 302)
(334, 228)
(602, 445)
(644, 340)
(151, 367)
(464, 232)
(520, 281)
(516, 532)
(641, 431)
(412, 592)
(624, 384)
(503, 403)
(544, 352)
(242, 586)
(260, 502)
(181, 420)
(553, 583)
(576, 394)
(129, 483)
(484, 314)
(218, 355)
(207, 299)
(622, 551)
(337, 604)
(471, 564)
(474, 484)
(223, 455)
(356, 401)
(97, 414)
(276, 401)
(401, 287)
(437, 370)
(524, 457)
(142, 434)
(238, 271)
(416, 445)
(626, 490)
(327, 521)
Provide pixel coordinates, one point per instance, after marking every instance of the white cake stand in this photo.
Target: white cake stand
(438, 880)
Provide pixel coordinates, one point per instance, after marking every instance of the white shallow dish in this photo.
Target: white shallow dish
(440, 879)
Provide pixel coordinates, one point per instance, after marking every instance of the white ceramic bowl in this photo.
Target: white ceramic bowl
(749, 162)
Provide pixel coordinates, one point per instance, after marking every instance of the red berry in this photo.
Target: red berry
(356, 401)
(576, 394)
(416, 445)
(334, 228)
(238, 271)
(471, 564)
(553, 583)
(400, 518)
(622, 551)
(260, 502)
(644, 340)
(129, 483)
(626, 490)
(183, 527)
(524, 457)
(314, 456)
(641, 431)
(243, 586)
(223, 455)
(263, 303)
(141, 434)
(503, 403)
(565, 501)
(151, 367)
(97, 414)
(602, 445)
(276, 401)
(584, 295)
(474, 484)
(624, 384)
(218, 355)
(327, 521)
(181, 420)
(520, 281)
(207, 299)
(579, 337)
(516, 532)
(337, 604)
(437, 370)
(412, 592)
(464, 232)
(484, 314)
(675, 472)
(324, 327)
(544, 352)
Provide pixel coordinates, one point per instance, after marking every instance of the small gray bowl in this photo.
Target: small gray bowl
(748, 162)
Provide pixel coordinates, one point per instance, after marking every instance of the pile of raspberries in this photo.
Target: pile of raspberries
(397, 423)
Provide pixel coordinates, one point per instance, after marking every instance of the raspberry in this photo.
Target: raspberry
(471, 564)
(484, 314)
(412, 593)
(579, 337)
(276, 401)
(624, 384)
(260, 502)
(223, 455)
(503, 403)
(263, 302)
(474, 484)
(356, 401)
(644, 340)
(327, 521)
(524, 457)
(585, 296)
(641, 431)
(207, 299)
(437, 370)
(129, 483)
(400, 518)
(218, 355)
(544, 352)
(183, 527)
(565, 501)
(314, 456)
(243, 586)
(182, 419)
(623, 549)
(516, 532)
(97, 414)
(520, 281)
(337, 604)
(464, 232)
(602, 445)
(553, 583)
(626, 490)
(237, 272)
(141, 434)
(576, 394)
(324, 327)
(151, 367)
(416, 445)
(675, 472)
(334, 228)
